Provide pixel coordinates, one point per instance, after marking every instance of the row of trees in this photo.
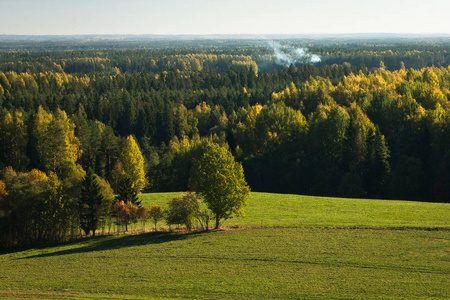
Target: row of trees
(188, 56)
(36, 207)
(52, 142)
(127, 61)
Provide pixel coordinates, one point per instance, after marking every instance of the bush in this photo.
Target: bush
(182, 210)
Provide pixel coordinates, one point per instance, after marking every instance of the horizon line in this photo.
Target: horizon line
(232, 34)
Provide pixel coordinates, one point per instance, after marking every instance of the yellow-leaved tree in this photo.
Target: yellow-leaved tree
(133, 163)
(58, 148)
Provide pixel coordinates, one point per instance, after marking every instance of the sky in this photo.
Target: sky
(203, 17)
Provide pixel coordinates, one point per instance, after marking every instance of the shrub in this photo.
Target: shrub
(182, 210)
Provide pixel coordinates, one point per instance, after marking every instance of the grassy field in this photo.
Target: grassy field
(314, 248)
(266, 209)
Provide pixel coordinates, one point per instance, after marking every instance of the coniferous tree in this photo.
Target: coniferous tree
(377, 167)
(13, 140)
(126, 191)
(90, 203)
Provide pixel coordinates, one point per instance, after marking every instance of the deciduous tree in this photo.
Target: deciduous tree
(220, 181)
(182, 210)
(133, 163)
(156, 213)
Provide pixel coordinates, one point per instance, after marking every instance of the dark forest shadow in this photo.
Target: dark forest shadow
(101, 243)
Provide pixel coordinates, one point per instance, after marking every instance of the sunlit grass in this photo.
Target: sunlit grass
(288, 247)
(266, 209)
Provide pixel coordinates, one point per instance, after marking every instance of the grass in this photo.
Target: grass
(313, 248)
(266, 209)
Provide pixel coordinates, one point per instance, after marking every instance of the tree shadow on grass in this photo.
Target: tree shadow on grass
(101, 243)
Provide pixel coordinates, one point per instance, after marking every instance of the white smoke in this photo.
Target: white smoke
(286, 55)
(301, 51)
(280, 56)
(315, 58)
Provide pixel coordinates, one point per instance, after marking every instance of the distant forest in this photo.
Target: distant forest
(354, 118)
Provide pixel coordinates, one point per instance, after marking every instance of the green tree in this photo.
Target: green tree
(54, 207)
(327, 137)
(109, 150)
(126, 191)
(33, 208)
(182, 210)
(377, 168)
(90, 203)
(220, 181)
(13, 140)
(277, 123)
(133, 163)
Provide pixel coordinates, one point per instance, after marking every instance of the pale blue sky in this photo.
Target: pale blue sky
(64, 17)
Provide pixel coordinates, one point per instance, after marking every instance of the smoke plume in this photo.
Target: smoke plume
(285, 55)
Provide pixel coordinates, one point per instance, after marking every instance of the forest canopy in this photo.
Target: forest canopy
(370, 119)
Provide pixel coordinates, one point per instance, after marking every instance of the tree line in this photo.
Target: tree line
(37, 208)
(80, 57)
(348, 133)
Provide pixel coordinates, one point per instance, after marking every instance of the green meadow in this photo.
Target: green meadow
(269, 210)
(288, 247)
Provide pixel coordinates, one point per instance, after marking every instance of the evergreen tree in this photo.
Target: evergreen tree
(13, 140)
(90, 203)
(126, 191)
(377, 167)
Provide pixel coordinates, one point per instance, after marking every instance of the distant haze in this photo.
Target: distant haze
(204, 17)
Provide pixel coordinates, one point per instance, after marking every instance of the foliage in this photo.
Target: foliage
(56, 144)
(182, 210)
(91, 203)
(133, 163)
(220, 181)
(305, 129)
(34, 208)
(125, 213)
(13, 140)
(106, 190)
(143, 214)
(126, 191)
(3, 192)
(156, 214)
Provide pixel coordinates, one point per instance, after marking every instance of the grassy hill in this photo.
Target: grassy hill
(298, 211)
(308, 248)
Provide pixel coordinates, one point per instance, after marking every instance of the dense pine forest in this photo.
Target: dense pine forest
(362, 119)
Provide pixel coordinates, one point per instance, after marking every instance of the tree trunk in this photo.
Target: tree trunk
(217, 222)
